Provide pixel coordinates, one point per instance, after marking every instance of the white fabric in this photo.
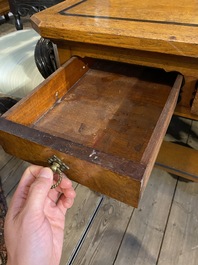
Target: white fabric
(18, 71)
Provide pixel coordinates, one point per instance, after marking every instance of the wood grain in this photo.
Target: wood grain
(78, 220)
(4, 7)
(109, 175)
(105, 235)
(143, 237)
(48, 93)
(127, 32)
(181, 238)
(126, 25)
(11, 170)
(153, 147)
(172, 159)
(4, 158)
(169, 62)
(135, 245)
(16, 168)
(107, 127)
(188, 67)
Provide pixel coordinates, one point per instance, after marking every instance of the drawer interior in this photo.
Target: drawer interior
(114, 110)
(115, 113)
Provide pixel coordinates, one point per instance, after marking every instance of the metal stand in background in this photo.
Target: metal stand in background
(23, 8)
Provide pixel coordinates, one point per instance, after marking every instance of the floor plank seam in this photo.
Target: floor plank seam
(4, 165)
(78, 246)
(169, 213)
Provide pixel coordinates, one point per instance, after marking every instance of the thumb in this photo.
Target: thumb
(39, 189)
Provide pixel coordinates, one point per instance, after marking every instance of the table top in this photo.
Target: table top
(159, 26)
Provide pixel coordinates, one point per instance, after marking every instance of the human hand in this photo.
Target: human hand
(34, 225)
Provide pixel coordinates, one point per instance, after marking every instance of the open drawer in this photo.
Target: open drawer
(105, 120)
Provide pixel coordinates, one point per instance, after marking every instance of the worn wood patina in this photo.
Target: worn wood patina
(106, 121)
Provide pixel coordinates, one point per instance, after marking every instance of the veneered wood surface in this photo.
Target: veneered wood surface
(108, 126)
(183, 64)
(152, 33)
(115, 113)
(4, 7)
(110, 175)
(160, 26)
(179, 160)
(48, 93)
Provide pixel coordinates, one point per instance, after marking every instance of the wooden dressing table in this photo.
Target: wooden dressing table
(113, 150)
(138, 32)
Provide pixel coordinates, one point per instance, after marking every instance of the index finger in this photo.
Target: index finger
(23, 187)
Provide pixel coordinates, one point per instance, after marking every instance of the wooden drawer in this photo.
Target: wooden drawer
(105, 120)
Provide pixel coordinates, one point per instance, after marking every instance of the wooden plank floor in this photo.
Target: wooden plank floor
(102, 231)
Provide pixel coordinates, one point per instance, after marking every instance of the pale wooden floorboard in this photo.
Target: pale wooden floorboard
(11, 173)
(180, 246)
(105, 235)
(144, 234)
(11, 170)
(78, 220)
(4, 158)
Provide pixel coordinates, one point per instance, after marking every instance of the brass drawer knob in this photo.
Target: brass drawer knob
(57, 166)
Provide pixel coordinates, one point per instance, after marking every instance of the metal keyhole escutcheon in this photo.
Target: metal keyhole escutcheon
(57, 166)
